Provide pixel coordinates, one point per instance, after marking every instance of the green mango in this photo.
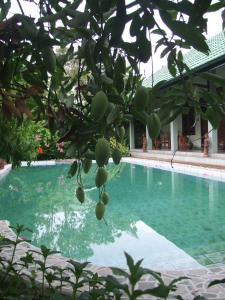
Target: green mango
(99, 105)
(7, 72)
(121, 132)
(141, 98)
(102, 152)
(116, 156)
(49, 59)
(73, 169)
(105, 198)
(101, 177)
(86, 163)
(80, 194)
(99, 210)
(153, 125)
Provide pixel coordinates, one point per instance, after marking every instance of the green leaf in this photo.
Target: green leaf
(190, 34)
(112, 283)
(79, 20)
(113, 115)
(172, 63)
(5, 6)
(159, 43)
(29, 29)
(106, 80)
(120, 272)
(215, 282)
(159, 31)
(161, 291)
(144, 47)
(216, 6)
(120, 65)
(119, 22)
(119, 83)
(177, 280)
(33, 79)
(130, 262)
(49, 59)
(136, 25)
(199, 9)
(148, 20)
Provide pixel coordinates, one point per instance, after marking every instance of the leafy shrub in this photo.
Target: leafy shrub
(122, 147)
(17, 142)
(18, 279)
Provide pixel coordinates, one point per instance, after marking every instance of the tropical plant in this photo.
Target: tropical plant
(122, 147)
(33, 277)
(17, 140)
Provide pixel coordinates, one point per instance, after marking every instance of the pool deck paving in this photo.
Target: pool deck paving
(188, 288)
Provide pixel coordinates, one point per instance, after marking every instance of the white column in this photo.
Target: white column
(149, 140)
(213, 139)
(131, 135)
(174, 134)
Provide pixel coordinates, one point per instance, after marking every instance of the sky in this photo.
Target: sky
(214, 27)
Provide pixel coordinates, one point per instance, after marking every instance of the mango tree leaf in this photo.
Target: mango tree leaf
(185, 31)
(216, 6)
(5, 6)
(144, 47)
(148, 20)
(199, 9)
(136, 25)
(119, 22)
(172, 67)
(215, 282)
(120, 65)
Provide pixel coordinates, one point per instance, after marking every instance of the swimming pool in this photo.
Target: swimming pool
(172, 220)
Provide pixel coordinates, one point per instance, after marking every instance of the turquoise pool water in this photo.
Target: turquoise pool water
(169, 219)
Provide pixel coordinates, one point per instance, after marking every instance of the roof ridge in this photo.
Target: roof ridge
(193, 58)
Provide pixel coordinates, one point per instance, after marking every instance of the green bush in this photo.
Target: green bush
(17, 140)
(18, 282)
(48, 146)
(122, 147)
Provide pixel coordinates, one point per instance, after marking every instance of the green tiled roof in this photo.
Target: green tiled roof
(194, 59)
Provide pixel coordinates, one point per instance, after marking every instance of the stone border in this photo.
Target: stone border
(197, 285)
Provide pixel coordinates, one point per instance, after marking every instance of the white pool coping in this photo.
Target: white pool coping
(5, 171)
(198, 171)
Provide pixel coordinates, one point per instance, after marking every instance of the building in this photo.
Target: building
(180, 134)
